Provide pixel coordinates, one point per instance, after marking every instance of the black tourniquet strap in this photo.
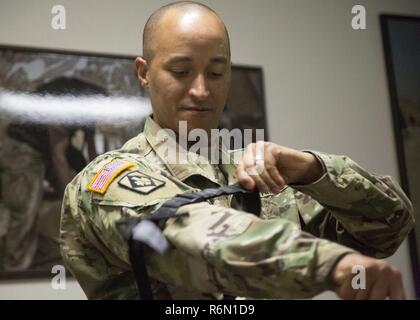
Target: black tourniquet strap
(141, 232)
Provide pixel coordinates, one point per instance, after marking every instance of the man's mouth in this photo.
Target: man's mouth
(196, 109)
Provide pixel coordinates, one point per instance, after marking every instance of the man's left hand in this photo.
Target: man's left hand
(269, 167)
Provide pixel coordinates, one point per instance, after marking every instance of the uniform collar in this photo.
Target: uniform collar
(182, 163)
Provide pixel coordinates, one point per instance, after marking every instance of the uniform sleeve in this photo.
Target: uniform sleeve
(348, 205)
(217, 249)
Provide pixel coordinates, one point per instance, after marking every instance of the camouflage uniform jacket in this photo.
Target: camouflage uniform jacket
(287, 252)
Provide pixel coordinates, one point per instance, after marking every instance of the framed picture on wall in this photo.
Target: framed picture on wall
(401, 38)
(58, 111)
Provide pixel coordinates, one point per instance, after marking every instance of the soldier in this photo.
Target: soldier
(321, 214)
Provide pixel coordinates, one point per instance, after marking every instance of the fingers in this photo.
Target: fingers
(346, 291)
(273, 179)
(396, 290)
(372, 289)
(372, 279)
(244, 179)
(271, 171)
(264, 159)
(251, 170)
(243, 170)
(258, 169)
(361, 294)
(379, 290)
(388, 284)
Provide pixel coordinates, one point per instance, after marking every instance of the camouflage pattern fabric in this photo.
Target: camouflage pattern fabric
(216, 249)
(22, 172)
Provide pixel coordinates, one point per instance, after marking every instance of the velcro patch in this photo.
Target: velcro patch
(107, 174)
(140, 182)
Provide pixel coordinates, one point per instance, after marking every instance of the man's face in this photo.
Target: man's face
(189, 76)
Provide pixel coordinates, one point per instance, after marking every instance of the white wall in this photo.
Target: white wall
(325, 83)
(40, 290)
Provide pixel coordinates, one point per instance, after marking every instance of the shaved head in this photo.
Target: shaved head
(186, 66)
(182, 8)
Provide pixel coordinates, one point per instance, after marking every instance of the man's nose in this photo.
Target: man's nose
(199, 88)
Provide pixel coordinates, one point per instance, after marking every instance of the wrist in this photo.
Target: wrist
(314, 169)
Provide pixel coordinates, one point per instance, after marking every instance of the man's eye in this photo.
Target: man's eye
(179, 73)
(215, 74)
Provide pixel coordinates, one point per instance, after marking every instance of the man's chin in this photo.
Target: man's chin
(194, 126)
(203, 123)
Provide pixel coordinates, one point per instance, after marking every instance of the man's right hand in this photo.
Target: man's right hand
(382, 280)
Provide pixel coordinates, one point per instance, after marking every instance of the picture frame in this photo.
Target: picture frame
(34, 127)
(401, 42)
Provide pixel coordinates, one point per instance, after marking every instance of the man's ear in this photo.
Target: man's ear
(142, 69)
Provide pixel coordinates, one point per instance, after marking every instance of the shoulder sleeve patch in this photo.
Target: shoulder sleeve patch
(101, 181)
(140, 182)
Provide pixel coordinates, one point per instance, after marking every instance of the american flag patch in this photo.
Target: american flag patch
(107, 174)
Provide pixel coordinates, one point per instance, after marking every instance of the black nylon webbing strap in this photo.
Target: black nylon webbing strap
(136, 249)
(250, 202)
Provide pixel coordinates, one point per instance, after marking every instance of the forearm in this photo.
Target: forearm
(348, 187)
(357, 208)
(240, 254)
